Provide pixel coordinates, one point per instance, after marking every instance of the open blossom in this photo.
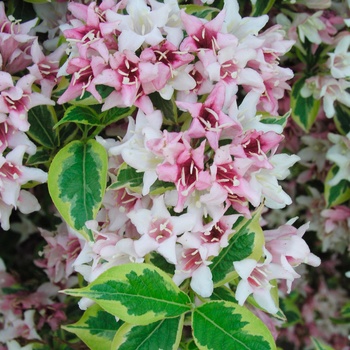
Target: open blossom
(59, 255)
(12, 175)
(288, 248)
(339, 60)
(255, 279)
(159, 230)
(141, 24)
(340, 155)
(16, 100)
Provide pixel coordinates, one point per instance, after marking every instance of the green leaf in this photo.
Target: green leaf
(128, 177)
(346, 310)
(159, 261)
(279, 120)
(115, 114)
(262, 6)
(226, 325)
(77, 181)
(291, 311)
(96, 328)
(304, 110)
(246, 242)
(164, 334)
(342, 118)
(42, 120)
(223, 293)
(80, 115)
(199, 11)
(41, 156)
(337, 194)
(167, 107)
(136, 293)
(159, 187)
(320, 345)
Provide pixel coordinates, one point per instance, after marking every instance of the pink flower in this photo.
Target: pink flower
(16, 100)
(255, 279)
(159, 229)
(288, 249)
(208, 119)
(12, 175)
(192, 262)
(205, 35)
(59, 255)
(45, 68)
(186, 172)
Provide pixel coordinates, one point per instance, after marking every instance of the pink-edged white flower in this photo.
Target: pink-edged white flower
(159, 229)
(265, 181)
(59, 255)
(141, 25)
(12, 175)
(230, 175)
(208, 119)
(134, 149)
(329, 89)
(340, 155)
(242, 28)
(215, 235)
(16, 100)
(255, 279)
(192, 262)
(315, 150)
(204, 35)
(186, 172)
(310, 26)
(339, 60)
(289, 249)
(45, 68)
(11, 137)
(336, 228)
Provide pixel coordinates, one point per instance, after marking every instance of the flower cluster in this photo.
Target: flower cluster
(180, 137)
(215, 162)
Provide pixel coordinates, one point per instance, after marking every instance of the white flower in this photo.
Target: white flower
(339, 62)
(340, 155)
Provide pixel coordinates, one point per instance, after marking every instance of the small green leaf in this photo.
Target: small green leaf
(262, 6)
(342, 118)
(247, 241)
(223, 293)
(200, 11)
(167, 107)
(96, 328)
(159, 187)
(320, 345)
(77, 181)
(337, 194)
(304, 110)
(279, 120)
(41, 156)
(42, 120)
(128, 177)
(115, 114)
(226, 325)
(80, 115)
(291, 311)
(159, 261)
(346, 310)
(164, 334)
(136, 293)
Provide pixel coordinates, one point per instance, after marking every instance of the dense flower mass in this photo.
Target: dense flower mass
(189, 149)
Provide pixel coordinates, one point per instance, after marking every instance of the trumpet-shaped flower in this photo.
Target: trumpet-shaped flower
(141, 24)
(16, 100)
(159, 229)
